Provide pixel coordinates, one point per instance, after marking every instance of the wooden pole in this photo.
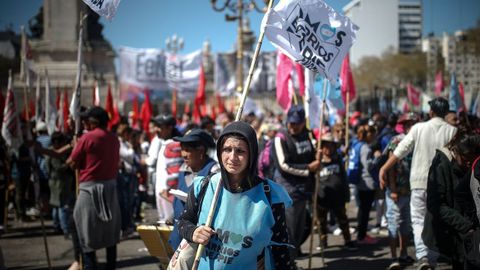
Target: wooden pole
(246, 89)
(317, 182)
(347, 135)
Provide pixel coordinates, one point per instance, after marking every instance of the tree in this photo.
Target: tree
(391, 69)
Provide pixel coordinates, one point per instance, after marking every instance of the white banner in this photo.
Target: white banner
(311, 33)
(105, 8)
(183, 73)
(154, 69)
(264, 75)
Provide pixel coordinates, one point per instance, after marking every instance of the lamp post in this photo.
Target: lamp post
(174, 44)
(238, 7)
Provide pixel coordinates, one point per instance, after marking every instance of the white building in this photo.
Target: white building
(461, 59)
(385, 25)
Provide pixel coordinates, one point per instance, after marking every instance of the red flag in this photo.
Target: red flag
(57, 101)
(174, 103)
(346, 76)
(213, 113)
(200, 98)
(109, 107)
(462, 96)
(413, 95)
(135, 112)
(65, 110)
(116, 116)
(186, 109)
(146, 112)
(439, 85)
(11, 122)
(301, 79)
(220, 104)
(284, 76)
(406, 107)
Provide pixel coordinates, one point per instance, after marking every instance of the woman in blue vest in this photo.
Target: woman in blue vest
(248, 229)
(195, 145)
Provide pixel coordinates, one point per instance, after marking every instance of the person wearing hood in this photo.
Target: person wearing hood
(248, 229)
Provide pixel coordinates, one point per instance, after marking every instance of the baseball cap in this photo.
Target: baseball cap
(328, 137)
(196, 136)
(296, 114)
(164, 119)
(41, 126)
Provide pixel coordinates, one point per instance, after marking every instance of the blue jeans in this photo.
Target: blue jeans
(61, 218)
(398, 215)
(125, 198)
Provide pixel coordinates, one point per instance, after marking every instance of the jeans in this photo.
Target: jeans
(398, 215)
(365, 198)
(61, 217)
(341, 215)
(418, 210)
(90, 259)
(125, 199)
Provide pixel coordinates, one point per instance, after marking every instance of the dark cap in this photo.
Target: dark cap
(164, 119)
(439, 106)
(196, 135)
(97, 113)
(296, 114)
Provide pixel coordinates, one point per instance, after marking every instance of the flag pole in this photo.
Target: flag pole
(246, 89)
(26, 90)
(347, 135)
(317, 183)
(78, 90)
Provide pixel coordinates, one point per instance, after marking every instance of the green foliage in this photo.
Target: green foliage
(390, 70)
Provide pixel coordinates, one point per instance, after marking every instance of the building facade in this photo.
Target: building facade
(385, 25)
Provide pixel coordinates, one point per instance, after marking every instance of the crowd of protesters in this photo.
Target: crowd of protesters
(415, 170)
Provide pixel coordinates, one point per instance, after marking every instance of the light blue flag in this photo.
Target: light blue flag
(333, 98)
(454, 98)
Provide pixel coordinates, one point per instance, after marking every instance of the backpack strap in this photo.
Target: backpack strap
(203, 189)
(267, 190)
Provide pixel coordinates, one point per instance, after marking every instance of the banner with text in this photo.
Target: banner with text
(263, 78)
(157, 70)
(311, 33)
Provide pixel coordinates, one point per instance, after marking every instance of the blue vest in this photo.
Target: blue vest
(179, 206)
(242, 222)
(354, 171)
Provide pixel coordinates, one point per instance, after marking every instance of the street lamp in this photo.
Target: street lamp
(174, 44)
(238, 8)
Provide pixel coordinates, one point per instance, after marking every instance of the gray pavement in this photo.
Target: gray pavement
(23, 248)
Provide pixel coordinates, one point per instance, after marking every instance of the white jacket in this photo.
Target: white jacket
(424, 138)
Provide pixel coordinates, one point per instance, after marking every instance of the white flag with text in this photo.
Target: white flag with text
(105, 8)
(311, 33)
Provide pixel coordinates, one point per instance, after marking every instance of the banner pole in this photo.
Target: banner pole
(246, 88)
(347, 126)
(317, 183)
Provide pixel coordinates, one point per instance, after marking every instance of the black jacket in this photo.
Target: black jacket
(450, 207)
